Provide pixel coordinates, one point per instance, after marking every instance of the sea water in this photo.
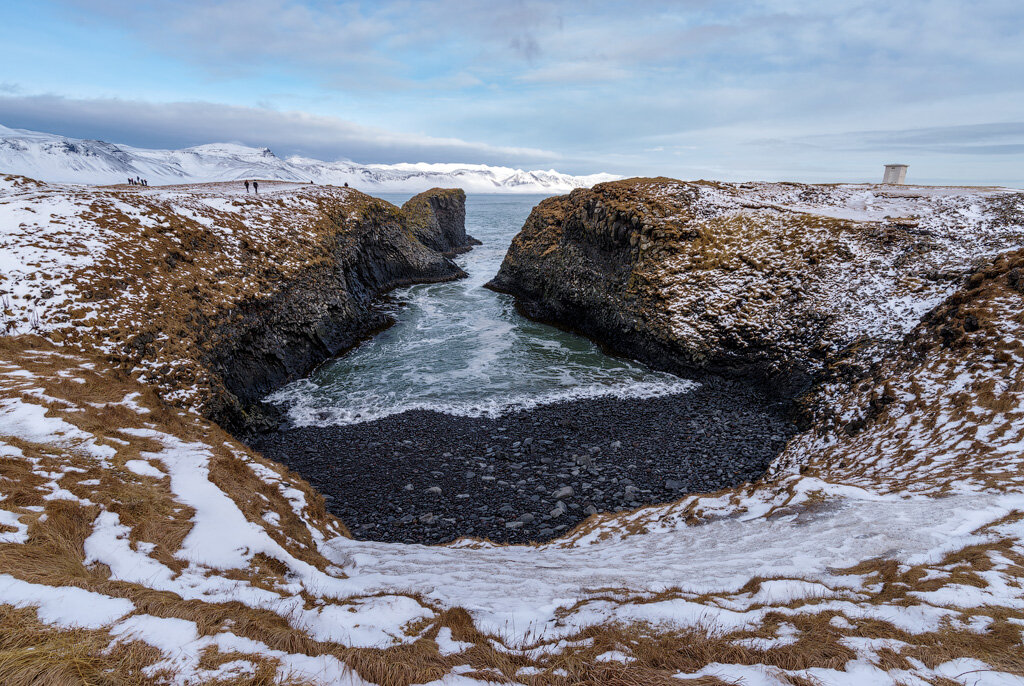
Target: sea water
(462, 349)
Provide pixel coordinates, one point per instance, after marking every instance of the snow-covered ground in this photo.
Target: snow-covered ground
(798, 273)
(97, 268)
(891, 552)
(764, 568)
(58, 159)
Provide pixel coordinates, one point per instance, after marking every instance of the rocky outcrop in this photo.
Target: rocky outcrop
(438, 220)
(765, 282)
(330, 308)
(212, 295)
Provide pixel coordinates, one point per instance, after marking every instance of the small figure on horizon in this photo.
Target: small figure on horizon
(256, 187)
(247, 186)
(130, 182)
(346, 184)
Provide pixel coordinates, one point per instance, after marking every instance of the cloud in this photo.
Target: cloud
(601, 81)
(244, 36)
(183, 124)
(999, 138)
(346, 45)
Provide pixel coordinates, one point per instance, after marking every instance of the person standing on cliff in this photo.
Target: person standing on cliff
(247, 186)
(256, 187)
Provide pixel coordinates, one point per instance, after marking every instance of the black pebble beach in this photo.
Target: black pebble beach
(428, 477)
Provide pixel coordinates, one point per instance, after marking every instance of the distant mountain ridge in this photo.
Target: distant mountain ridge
(59, 159)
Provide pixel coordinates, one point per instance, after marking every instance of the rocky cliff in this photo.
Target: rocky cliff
(214, 295)
(438, 220)
(271, 341)
(775, 283)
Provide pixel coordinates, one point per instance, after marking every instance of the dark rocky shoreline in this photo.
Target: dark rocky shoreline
(269, 341)
(428, 477)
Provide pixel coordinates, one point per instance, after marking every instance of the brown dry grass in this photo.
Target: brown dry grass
(158, 297)
(33, 654)
(54, 555)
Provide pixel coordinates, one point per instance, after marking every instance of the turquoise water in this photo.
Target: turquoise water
(462, 349)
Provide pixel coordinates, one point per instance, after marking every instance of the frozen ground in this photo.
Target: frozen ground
(888, 548)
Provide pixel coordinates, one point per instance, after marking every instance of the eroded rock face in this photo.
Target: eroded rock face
(331, 307)
(766, 282)
(438, 220)
(209, 293)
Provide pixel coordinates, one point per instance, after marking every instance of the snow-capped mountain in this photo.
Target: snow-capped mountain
(53, 158)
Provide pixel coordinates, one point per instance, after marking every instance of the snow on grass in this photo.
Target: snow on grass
(64, 606)
(222, 538)
(30, 422)
(128, 270)
(144, 468)
(183, 647)
(12, 529)
(902, 534)
(447, 645)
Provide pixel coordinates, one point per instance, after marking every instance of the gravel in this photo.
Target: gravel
(428, 477)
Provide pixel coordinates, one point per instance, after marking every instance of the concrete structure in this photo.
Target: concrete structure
(895, 173)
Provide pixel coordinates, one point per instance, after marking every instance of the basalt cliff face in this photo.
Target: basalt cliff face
(438, 220)
(780, 284)
(330, 308)
(214, 295)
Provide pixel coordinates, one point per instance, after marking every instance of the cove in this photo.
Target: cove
(465, 418)
(461, 349)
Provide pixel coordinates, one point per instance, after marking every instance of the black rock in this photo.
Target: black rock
(369, 473)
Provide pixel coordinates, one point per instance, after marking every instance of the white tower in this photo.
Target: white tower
(895, 173)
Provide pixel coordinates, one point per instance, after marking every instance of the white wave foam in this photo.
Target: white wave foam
(303, 410)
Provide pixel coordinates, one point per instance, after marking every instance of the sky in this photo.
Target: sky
(720, 89)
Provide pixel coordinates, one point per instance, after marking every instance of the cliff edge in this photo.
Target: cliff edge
(771, 282)
(214, 295)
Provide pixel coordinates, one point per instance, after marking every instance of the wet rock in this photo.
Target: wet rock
(269, 341)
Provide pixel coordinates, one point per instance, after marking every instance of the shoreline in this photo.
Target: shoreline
(427, 477)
